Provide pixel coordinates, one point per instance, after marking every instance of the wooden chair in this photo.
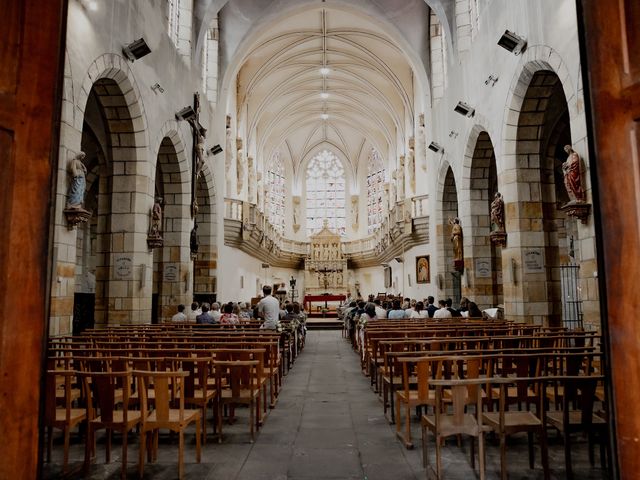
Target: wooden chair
(106, 391)
(64, 418)
(168, 388)
(238, 382)
(197, 389)
(577, 415)
(460, 393)
(506, 422)
(412, 398)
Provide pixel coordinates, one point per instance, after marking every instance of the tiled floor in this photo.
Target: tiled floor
(328, 424)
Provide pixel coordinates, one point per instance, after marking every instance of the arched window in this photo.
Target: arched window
(375, 191)
(210, 62)
(173, 20)
(179, 25)
(275, 195)
(325, 193)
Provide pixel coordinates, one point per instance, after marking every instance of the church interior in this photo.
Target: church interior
(320, 239)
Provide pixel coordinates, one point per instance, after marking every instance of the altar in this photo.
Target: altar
(325, 269)
(310, 300)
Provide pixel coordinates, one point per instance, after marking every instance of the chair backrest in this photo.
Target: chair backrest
(54, 378)
(168, 388)
(239, 376)
(104, 390)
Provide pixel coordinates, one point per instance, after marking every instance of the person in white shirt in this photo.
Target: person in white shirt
(193, 313)
(442, 312)
(215, 312)
(380, 312)
(269, 309)
(419, 311)
(179, 317)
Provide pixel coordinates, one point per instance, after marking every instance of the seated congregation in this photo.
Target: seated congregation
(482, 377)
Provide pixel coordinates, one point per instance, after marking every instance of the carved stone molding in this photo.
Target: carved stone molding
(76, 216)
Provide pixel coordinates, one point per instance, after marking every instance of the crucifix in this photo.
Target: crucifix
(197, 158)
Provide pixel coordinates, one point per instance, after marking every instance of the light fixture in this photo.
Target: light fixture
(453, 134)
(464, 109)
(324, 116)
(492, 79)
(434, 147)
(136, 50)
(398, 259)
(513, 42)
(187, 113)
(324, 71)
(216, 149)
(324, 95)
(157, 88)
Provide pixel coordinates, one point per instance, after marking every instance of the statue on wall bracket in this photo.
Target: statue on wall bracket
(498, 233)
(456, 241)
(572, 170)
(74, 211)
(154, 238)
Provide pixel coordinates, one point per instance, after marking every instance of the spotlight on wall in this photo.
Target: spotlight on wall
(215, 150)
(453, 134)
(398, 259)
(434, 147)
(187, 113)
(464, 109)
(136, 50)
(157, 88)
(513, 42)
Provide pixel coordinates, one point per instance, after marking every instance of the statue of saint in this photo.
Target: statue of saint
(401, 179)
(78, 173)
(456, 238)
(572, 170)
(156, 219)
(194, 244)
(354, 210)
(240, 167)
(497, 213)
(199, 154)
(251, 182)
(411, 164)
(296, 210)
(228, 158)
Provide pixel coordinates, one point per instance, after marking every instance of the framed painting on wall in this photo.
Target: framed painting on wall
(423, 273)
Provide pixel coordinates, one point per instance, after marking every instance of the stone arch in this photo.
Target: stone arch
(482, 259)
(125, 191)
(543, 111)
(171, 262)
(448, 280)
(205, 266)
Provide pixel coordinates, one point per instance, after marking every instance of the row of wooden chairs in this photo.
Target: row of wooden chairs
(92, 381)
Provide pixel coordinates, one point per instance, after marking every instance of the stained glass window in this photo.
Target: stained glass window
(375, 191)
(325, 193)
(275, 194)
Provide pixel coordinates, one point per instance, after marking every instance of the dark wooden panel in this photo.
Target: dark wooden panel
(29, 113)
(6, 152)
(630, 30)
(612, 45)
(10, 39)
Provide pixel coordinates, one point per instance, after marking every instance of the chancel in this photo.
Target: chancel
(296, 223)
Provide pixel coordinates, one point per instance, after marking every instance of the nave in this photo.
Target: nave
(328, 424)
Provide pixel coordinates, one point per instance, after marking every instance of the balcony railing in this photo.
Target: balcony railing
(398, 222)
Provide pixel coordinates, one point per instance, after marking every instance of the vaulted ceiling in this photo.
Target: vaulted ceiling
(325, 78)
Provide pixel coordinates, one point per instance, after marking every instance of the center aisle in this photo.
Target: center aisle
(327, 425)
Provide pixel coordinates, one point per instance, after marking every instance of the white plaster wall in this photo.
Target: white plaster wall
(241, 276)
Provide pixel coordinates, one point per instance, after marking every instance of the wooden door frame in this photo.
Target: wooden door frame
(612, 104)
(32, 54)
